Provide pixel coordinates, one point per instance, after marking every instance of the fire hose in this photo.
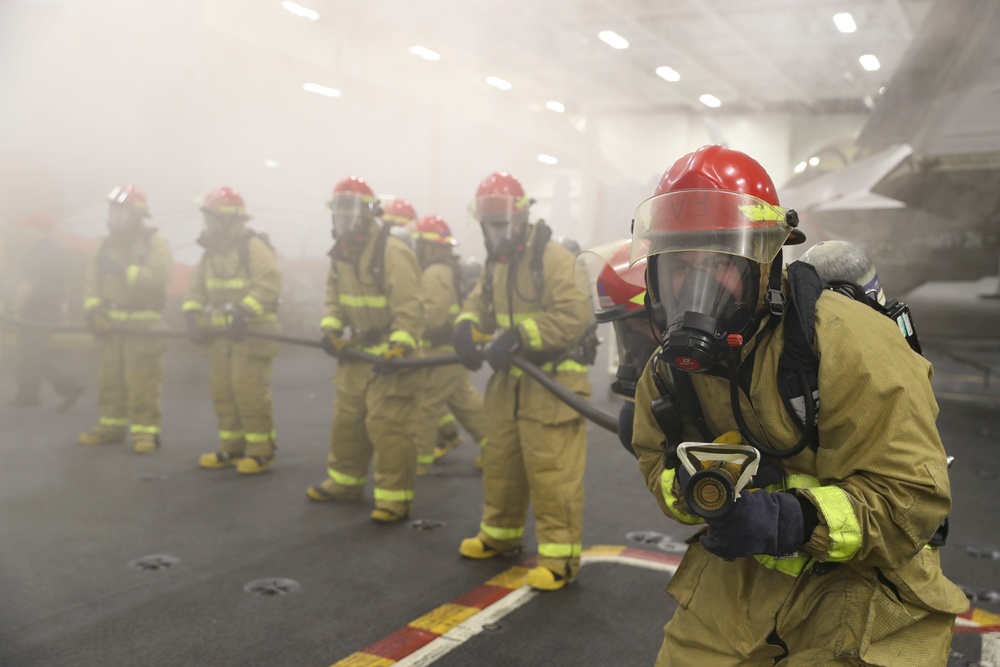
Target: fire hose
(570, 398)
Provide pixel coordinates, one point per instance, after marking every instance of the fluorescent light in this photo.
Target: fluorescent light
(497, 82)
(869, 62)
(547, 159)
(668, 73)
(881, 91)
(800, 167)
(326, 91)
(710, 100)
(425, 53)
(613, 39)
(299, 10)
(844, 22)
(273, 164)
(558, 107)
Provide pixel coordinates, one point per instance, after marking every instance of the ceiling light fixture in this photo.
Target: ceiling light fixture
(668, 73)
(325, 91)
(869, 62)
(425, 53)
(613, 39)
(497, 82)
(844, 22)
(558, 107)
(301, 11)
(710, 101)
(800, 167)
(813, 161)
(273, 164)
(547, 159)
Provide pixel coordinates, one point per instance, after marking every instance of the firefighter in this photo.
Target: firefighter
(618, 294)
(828, 556)
(372, 293)
(234, 292)
(126, 288)
(527, 300)
(446, 390)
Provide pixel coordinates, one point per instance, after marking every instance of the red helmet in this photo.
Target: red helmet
(225, 201)
(714, 199)
(132, 197)
(398, 212)
(433, 229)
(352, 203)
(499, 198)
(616, 289)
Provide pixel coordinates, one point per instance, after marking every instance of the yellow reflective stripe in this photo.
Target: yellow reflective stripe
(502, 534)
(453, 309)
(762, 211)
(225, 283)
(792, 566)
(447, 418)
(666, 490)
(553, 550)
(92, 302)
(503, 319)
(377, 350)
(426, 459)
(253, 305)
(639, 299)
(135, 428)
(219, 320)
(330, 322)
(345, 480)
(192, 305)
(845, 531)
(404, 338)
(530, 327)
(801, 482)
(258, 437)
(471, 317)
(389, 496)
(362, 301)
(131, 275)
(231, 435)
(113, 421)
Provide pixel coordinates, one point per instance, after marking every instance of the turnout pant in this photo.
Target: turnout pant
(130, 383)
(240, 380)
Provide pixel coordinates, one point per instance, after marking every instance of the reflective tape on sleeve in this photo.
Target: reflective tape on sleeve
(845, 531)
(666, 490)
(529, 327)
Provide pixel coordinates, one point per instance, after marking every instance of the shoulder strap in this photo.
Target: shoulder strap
(487, 290)
(541, 239)
(377, 266)
(798, 365)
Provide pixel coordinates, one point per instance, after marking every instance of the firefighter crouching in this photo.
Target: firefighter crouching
(536, 451)
(372, 292)
(234, 289)
(126, 287)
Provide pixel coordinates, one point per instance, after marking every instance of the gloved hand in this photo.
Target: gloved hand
(333, 341)
(761, 523)
(465, 347)
(98, 322)
(108, 264)
(197, 332)
(395, 351)
(238, 325)
(500, 351)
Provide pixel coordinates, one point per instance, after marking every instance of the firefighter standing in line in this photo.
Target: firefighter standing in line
(126, 287)
(372, 291)
(537, 444)
(235, 289)
(444, 387)
(829, 559)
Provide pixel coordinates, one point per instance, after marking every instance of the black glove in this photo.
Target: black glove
(108, 264)
(465, 347)
(197, 332)
(761, 523)
(500, 351)
(238, 326)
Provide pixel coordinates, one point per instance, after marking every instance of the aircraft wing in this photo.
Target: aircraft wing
(848, 189)
(944, 97)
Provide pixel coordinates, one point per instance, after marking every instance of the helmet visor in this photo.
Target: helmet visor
(346, 212)
(489, 209)
(711, 220)
(603, 273)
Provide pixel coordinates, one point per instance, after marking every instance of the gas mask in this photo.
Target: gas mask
(708, 304)
(121, 220)
(348, 213)
(503, 238)
(217, 229)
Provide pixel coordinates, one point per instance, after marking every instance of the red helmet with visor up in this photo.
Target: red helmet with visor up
(132, 198)
(352, 203)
